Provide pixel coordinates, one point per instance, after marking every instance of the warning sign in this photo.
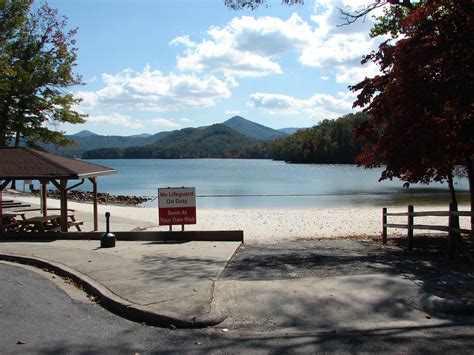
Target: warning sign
(177, 206)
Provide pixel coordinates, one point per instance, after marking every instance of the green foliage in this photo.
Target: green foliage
(390, 22)
(36, 61)
(331, 141)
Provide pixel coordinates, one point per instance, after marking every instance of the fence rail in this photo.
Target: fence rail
(452, 228)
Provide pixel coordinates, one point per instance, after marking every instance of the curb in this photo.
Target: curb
(117, 304)
(432, 303)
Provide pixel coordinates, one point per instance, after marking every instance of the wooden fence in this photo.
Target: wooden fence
(453, 230)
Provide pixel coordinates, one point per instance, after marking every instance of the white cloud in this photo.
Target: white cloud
(341, 48)
(186, 120)
(249, 47)
(184, 40)
(267, 36)
(151, 90)
(115, 119)
(165, 122)
(319, 106)
(355, 74)
(245, 47)
(275, 104)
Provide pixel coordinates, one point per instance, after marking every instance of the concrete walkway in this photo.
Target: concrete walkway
(157, 283)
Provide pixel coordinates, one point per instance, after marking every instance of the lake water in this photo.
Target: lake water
(234, 183)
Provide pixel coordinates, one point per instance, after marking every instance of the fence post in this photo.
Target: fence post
(452, 237)
(384, 225)
(410, 227)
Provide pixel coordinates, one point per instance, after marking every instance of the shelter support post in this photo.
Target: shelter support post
(2, 187)
(62, 187)
(63, 197)
(94, 194)
(44, 197)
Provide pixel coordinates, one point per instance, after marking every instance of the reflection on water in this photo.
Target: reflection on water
(236, 183)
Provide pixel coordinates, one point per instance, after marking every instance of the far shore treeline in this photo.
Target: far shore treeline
(331, 141)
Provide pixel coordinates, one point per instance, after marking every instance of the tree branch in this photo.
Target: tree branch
(253, 4)
(351, 17)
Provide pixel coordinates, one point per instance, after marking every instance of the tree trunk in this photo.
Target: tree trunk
(470, 177)
(454, 202)
(17, 139)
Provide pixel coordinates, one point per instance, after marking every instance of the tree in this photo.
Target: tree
(253, 4)
(422, 102)
(37, 60)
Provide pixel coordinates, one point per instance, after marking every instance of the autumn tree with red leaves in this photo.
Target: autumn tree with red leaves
(421, 104)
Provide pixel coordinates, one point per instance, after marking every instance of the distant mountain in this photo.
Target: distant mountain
(84, 133)
(289, 130)
(236, 128)
(252, 129)
(85, 141)
(216, 141)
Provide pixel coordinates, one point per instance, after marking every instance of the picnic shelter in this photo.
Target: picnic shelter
(21, 163)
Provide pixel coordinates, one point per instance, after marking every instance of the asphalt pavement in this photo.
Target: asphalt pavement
(330, 285)
(43, 314)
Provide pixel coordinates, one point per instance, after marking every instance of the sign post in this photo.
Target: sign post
(177, 206)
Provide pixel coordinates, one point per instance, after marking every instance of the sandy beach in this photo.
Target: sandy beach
(259, 225)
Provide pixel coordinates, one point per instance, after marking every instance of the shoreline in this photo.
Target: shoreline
(260, 225)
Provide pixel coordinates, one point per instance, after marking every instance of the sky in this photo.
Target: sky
(158, 65)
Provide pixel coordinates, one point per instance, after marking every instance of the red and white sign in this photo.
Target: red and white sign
(177, 206)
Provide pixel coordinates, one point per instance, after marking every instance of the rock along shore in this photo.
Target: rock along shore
(102, 197)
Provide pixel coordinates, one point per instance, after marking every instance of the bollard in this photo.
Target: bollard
(107, 240)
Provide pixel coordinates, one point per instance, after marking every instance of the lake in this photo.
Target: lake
(237, 183)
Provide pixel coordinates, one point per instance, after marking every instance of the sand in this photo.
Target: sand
(259, 225)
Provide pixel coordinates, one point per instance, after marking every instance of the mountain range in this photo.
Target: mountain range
(215, 141)
(87, 140)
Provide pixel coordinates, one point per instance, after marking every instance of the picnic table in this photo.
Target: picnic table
(72, 223)
(41, 224)
(10, 222)
(47, 223)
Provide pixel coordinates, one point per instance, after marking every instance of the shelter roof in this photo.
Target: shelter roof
(19, 163)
